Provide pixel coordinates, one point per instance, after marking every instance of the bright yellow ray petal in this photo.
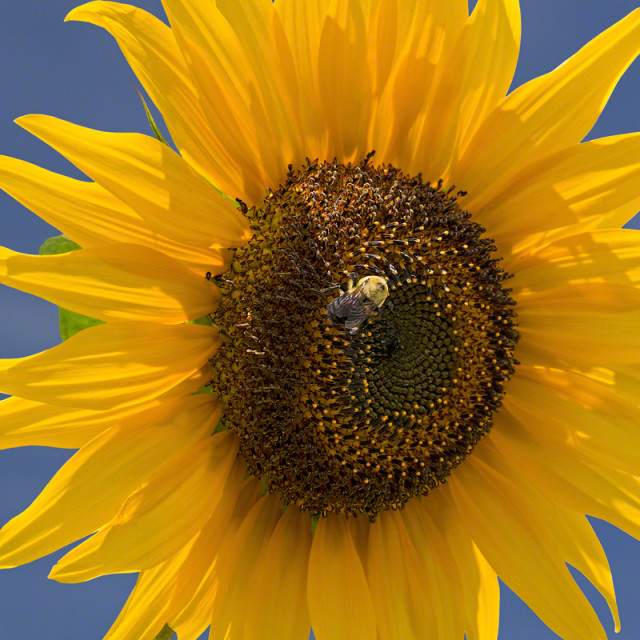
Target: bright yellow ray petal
(240, 552)
(407, 46)
(345, 87)
(158, 518)
(302, 23)
(166, 589)
(148, 607)
(107, 366)
(151, 178)
(240, 497)
(257, 25)
(585, 297)
(615, 396)
(484, 625)
(120, 458)
(25, 423)
(568, 257)
(546, 420)
(578, 544)
(395, 575)
(472, 82)
(283, 567)
(575, 339)
(339, 601)
(226, 84)
(477, 591)
(113, 282)
(522, 550)
(548, 113)
(445, 576)
(154, 56)
(595, 179)
(90, 215)
(563, 479)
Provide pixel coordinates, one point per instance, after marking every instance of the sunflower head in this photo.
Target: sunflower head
(355, 403)
(354, 316)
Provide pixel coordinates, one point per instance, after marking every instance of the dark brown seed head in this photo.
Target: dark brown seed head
(356, 422)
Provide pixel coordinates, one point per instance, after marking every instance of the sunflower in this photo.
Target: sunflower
(364, 343)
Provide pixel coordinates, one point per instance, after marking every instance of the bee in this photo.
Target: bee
(354, 307)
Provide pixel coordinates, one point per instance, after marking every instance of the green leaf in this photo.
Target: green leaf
(70, 321)
(166, 633)
(57, 244)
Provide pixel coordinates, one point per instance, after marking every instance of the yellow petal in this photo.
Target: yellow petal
(408, 48)
(548, 113)
(566, 480)
(90, 215)
(120, 458)
(577, 339)
(616, 396)
(228, 85)
(607, 255)
(595, 179)
(522, 550)
(270, 66)
(24, 423)
(163, 591)
(148, 607)
(151, 178)
(340, 605)
(547, 420)
(395, 574)
(240, 552)
(154, 56)
(576, 540)
(472, 82)
(442, 575)
(240, 497)
(585, 297)
(113, 282)
(158, 518)
(302, 23)
(475, 588)
(107, 366)
(282, 566)
(345, 88)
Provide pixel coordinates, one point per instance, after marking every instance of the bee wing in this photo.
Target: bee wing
(356, 319)
(341, 308)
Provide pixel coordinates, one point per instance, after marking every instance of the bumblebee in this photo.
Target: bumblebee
(353, 308)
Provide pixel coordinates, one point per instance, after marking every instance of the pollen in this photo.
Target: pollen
(360, 419)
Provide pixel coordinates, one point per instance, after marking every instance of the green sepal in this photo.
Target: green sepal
(166, 633)
(152, 122)
(314, 523)
(206, 389)
(205, 320)
(70, 321)
(219, 427)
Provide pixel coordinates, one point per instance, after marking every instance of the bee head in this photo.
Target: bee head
(375, 288)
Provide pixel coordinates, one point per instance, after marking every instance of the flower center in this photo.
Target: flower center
(368, 338)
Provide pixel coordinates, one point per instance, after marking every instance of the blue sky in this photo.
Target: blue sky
(76, 72)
